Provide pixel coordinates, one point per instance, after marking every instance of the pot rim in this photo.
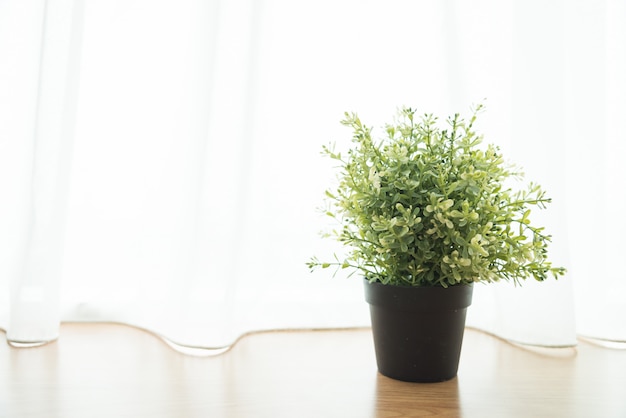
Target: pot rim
(418, 298)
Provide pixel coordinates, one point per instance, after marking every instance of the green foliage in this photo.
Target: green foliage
(427, 206)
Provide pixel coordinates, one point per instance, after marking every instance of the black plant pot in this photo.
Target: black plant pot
(418, 331)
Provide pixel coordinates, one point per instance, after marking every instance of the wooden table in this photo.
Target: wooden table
(108, 370)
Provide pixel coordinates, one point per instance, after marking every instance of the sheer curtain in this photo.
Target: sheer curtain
(160, 160)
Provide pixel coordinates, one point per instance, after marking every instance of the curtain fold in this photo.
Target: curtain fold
(54, 52)
(595, 105)
(160, 160)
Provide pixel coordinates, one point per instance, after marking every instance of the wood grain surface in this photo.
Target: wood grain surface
(108, 370)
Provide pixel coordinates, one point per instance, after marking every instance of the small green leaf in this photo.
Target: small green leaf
(469, 217)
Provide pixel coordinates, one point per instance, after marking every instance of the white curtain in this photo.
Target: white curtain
(160, 160)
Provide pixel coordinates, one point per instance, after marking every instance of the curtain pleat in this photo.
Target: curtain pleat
(54, 57)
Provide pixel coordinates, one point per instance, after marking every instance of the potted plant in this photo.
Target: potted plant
(424, 213)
